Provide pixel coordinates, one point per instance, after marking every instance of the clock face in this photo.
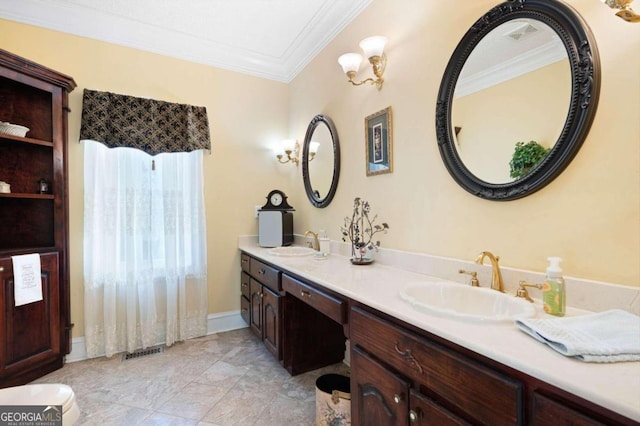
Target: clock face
(276, 199)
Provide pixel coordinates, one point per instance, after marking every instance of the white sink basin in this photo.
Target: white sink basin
(475, 304)
(292, 251)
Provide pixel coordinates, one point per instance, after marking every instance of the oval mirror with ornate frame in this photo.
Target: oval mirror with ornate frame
(577, 63)
(320, 172)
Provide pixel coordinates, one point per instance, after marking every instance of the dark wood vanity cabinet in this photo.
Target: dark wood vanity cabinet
(313, 327)
(34, 337)
(302, 325)
(444, 384)
(381, 396)
(260, 301)
(401, 375)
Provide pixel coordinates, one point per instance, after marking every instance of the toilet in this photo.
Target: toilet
(44, 394)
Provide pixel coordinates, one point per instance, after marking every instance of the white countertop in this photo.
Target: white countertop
(615, 386)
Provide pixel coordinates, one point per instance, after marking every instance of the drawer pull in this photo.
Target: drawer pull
(397, 399)
(244, 284)
(245, 260)
(1, 268)
(407, 355)
(304, 293)
(244, 310)
(413, 416)
(261, 295)
(262, 272)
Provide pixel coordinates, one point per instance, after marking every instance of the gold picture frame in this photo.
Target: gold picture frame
(379, 142)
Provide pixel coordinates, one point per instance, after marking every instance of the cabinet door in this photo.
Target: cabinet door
(425, 411)
(30, 334)
(271, 322)
(378, 396)
(256, 307)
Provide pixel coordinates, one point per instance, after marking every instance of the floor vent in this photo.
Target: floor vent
(143, 352)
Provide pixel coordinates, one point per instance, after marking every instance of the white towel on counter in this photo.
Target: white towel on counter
(609, 336)
(27, 279)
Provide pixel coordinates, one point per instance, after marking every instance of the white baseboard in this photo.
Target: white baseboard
(225, 321)
(78, 350)
(216, 323)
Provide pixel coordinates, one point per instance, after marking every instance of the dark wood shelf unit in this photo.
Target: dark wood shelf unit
(34, 338)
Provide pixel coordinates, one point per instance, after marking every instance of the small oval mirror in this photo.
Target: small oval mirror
(321, 161)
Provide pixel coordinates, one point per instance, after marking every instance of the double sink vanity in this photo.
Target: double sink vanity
(427, 350)
(410, 364)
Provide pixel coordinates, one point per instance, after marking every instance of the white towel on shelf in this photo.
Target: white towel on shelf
(609, 336)
(27, 279)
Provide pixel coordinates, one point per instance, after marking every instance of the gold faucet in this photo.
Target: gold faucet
(496, 277)
(315, 244)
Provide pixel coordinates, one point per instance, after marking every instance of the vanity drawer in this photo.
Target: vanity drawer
(245, 262)
(245, 307)
(546, 411)
(331, 306)
(244, 284)
(487, 395)
(266, 274)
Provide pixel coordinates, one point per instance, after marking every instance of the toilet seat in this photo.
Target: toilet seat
(44, 394)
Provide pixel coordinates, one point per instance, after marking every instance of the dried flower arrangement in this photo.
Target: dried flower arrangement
(360, 230)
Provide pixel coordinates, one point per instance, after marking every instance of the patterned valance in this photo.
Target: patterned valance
(152, 126)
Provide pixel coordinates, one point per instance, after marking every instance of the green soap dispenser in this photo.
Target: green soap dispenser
(553, 290)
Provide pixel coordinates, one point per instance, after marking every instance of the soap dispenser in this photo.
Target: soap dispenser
(324, 243)
(553, 289)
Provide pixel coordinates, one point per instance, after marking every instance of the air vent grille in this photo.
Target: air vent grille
(143, 352)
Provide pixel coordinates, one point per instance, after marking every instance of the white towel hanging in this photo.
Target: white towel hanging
(27, 279)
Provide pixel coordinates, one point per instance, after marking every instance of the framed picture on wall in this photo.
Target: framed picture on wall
(379, 143)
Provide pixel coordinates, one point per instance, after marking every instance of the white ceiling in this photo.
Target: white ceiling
(273, 39)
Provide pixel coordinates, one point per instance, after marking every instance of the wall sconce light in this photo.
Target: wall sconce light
(373, 48)
(626, 12)
(291, 150)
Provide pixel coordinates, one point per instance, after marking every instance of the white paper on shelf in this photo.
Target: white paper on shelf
(27, 281)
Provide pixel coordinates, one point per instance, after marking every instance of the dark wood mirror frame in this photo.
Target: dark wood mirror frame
(321, 202)
(585, 73)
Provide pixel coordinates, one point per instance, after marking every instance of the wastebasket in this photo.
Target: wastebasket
(333, 400)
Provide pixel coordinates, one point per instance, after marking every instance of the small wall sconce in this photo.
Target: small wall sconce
(373, 48)
(291, 150)
(626, 12)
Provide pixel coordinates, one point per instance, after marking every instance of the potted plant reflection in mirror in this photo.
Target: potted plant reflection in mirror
(526, 157)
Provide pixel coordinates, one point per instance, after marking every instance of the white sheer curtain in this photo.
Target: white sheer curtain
(145, 272)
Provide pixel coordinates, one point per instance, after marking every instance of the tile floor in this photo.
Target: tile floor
(222, 379)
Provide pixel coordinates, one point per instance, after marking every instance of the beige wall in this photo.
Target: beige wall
(590, 215)
(245, 114)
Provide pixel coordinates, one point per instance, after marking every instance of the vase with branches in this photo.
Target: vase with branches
(361, 230)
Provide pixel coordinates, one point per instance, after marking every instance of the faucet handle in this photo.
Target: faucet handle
(474, 277)
(522, 290)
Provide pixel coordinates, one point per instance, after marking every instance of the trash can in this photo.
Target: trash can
(333, 400)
